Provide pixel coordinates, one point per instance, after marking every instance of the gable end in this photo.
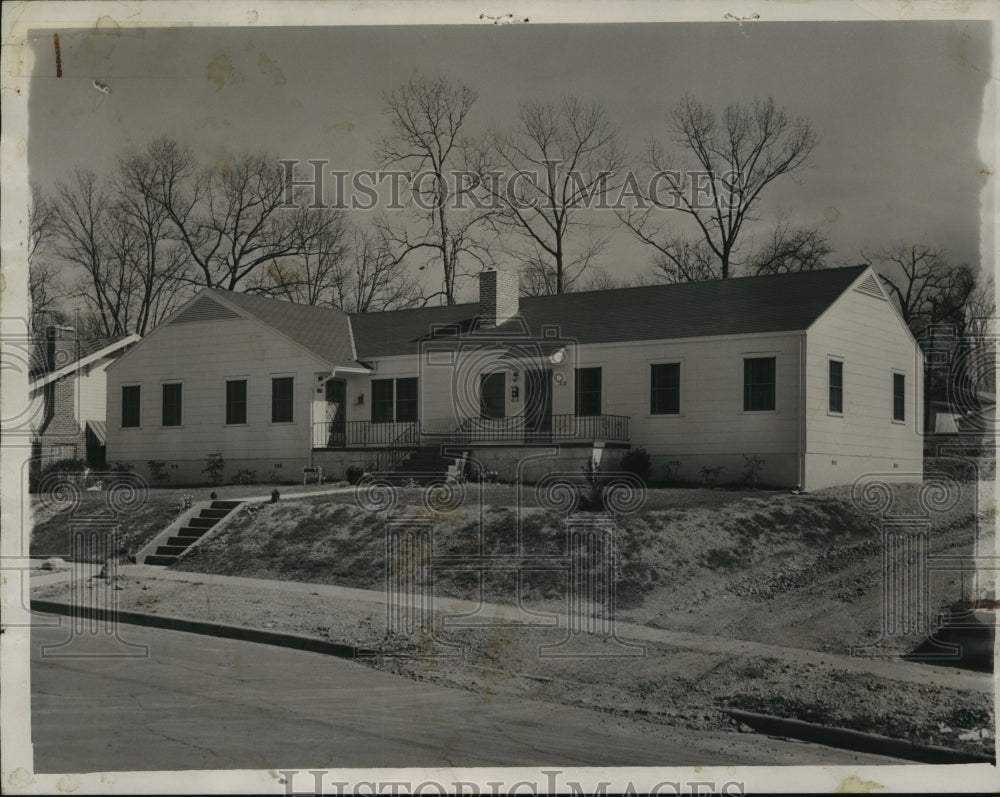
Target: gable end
(870, 287)
(204, 309)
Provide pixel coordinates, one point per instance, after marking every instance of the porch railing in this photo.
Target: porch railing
(359, 434)
(394, 453)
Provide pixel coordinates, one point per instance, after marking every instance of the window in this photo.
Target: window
(406, 400)
(665, 389)
(899, 397)
(172, 404)
(282, 399)
(130, 405)
(837, 386)
(758, 384)
(236, 401)
(588, 391)
(492, 388)
(382, 401)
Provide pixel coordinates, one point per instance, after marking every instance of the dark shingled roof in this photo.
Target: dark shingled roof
(324, 331)
(775, 303)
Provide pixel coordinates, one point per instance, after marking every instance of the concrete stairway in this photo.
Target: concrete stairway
(197, 526)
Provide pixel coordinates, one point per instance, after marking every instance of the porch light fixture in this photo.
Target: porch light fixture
(361, 398)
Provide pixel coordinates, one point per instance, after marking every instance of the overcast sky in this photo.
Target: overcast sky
(897, 105)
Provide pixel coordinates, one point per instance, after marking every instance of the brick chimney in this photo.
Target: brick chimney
(61, 346)
(498, 297)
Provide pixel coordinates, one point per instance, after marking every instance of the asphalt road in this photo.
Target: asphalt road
(198, 702)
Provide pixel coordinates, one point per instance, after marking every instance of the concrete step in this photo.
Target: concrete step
(213, 514)
(203, 522)
(157, 559)
(190, 531)
(171, 550)
(181, 540)
(227, 505)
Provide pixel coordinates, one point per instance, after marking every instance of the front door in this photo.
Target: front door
(538, 403)
(336, 421)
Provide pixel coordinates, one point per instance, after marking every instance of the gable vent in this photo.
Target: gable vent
(205, 309)
(871, 287)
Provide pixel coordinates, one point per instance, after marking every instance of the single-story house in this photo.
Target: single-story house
(68, 384)
(814, 373)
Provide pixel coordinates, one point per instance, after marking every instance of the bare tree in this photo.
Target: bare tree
(925, 287)
(45, 290)
(233, 218)
(715, 176)
(378, 278)
(570, 153)
(428, 118)
(789, 250)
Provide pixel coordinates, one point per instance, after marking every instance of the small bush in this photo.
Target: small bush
(354, 474)
(245, 476)
(671, 471)
(751, 469)
(472, 472)
(158, 471)
(637, 461)
(592, 499)
(710, 474)
(37, 473)
(214, 467)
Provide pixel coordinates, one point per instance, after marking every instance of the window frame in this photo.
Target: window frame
(744, 360)
(901, 375)
(282, 378)
(680, 388)
(246, 400)
(415, 400)
(169, 383)
(577, 392)
(831, 359)
(382, 403)
(138, 424)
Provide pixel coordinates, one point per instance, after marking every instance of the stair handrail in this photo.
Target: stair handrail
(389, 457)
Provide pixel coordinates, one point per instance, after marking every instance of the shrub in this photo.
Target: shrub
(245, 476)
(671, 470)
(158, 471)
(354, 474)
(214, 466)
(710, 474)
(637, 461)
(593, 498)
(37, 473)
(472, 472)
(751, 469)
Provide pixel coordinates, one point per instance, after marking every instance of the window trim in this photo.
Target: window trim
(392, 404)
(741, 398)
(416, 398)
(273, 378)
(892, 400)
(834, 358)
(121, 418)
(576, 390)
(163, 385)
(225, 399)
(679, 362)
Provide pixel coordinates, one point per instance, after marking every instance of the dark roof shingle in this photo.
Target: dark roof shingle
(324, 331)
(775, 303)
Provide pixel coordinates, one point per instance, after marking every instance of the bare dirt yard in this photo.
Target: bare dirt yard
(797, 571)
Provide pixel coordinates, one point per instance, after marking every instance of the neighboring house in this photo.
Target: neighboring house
(68, 384)
(970, 413)
(814, 373)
